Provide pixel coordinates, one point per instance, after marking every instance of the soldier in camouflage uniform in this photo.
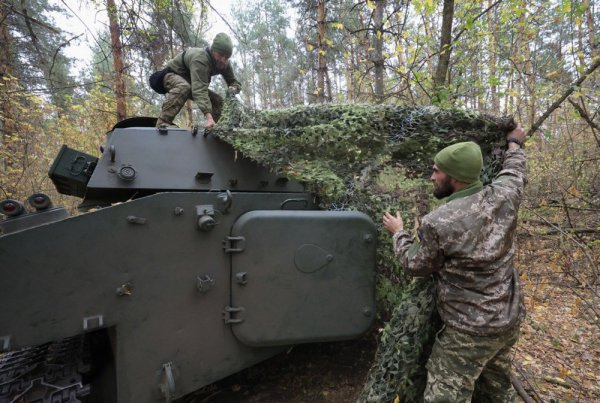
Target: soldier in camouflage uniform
(190, 75)
(468, 245)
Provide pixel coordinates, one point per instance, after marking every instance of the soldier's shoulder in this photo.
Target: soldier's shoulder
(197, 54)
(453, 211)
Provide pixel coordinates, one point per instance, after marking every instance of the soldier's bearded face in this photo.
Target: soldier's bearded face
(442, 185)
(221, 59)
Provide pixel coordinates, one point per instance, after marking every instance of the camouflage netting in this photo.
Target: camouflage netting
(371, 158)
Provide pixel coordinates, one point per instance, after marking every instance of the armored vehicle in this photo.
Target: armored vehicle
(190, 263)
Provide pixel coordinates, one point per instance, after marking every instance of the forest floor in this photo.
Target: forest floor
(556, 359)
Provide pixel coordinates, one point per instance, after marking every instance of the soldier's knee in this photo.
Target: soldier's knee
(182, 90)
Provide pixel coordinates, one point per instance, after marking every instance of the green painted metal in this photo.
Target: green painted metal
(164, 273)
(307, 276)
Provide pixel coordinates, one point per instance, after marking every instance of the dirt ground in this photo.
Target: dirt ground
(309, 373)
(558, 354)
(557, 358)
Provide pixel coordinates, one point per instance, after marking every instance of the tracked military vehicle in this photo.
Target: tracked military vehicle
(190, 263)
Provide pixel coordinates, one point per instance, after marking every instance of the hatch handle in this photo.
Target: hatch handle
(234, 244)
(229, 312)
(287, 201)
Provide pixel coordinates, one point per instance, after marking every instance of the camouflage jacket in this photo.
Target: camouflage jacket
(197, 66)
(468, 243)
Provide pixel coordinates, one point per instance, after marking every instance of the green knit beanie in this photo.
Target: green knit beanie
(222, 44)
(461, 161)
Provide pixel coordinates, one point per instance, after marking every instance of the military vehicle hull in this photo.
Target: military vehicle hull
(166, 289)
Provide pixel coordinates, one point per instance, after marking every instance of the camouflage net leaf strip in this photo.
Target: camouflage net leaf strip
(326, 145)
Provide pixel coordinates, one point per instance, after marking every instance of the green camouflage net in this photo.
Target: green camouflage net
(371, 158)
(328, 145)
(398, 371)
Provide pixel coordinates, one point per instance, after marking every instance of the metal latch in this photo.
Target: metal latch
(233, 244)
(229, 312)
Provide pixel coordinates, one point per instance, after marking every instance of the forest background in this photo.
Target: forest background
(534, 59)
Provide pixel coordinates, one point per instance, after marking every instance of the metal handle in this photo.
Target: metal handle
(78, 165)
(285, 202)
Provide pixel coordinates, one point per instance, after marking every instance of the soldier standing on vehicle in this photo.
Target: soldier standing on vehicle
(468, 245)
(188, 76)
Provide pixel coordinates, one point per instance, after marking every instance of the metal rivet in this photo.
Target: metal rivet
(124, 289)
(178, 211)
(368, 238)
(367, 311)
(204, 283)
(241, 278)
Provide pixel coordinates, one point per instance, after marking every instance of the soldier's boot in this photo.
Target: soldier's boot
(159, 122)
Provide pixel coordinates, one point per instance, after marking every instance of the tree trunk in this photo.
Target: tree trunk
(321, 65)
(492, 26)
(349, 73)
(530, 77)
(377, 53)
(589, 19)
(441, 72)
(7, 113)
(117, 53)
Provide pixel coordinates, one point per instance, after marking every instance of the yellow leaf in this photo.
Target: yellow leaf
(371, 5)
(528, 359)
(337, 25)
(573, 190)
(309, 47)
(397, 399)
(564, 372)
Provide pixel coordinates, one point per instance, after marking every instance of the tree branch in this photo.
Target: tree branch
(28, 18)
(560, 100)
(520, 389)
(237, 35)
(583, 114)
(475, 19)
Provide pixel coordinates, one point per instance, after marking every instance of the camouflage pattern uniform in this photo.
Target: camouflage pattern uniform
(190, 76)
(468, 245)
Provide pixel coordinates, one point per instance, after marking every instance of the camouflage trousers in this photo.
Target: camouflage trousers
(179, 91)
(464, 368)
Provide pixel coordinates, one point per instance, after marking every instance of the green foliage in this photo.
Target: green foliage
(35, 55)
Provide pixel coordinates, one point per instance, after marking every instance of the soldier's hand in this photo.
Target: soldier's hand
(518, 134)
(393, 223)
(234, 90)
(209, 122)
